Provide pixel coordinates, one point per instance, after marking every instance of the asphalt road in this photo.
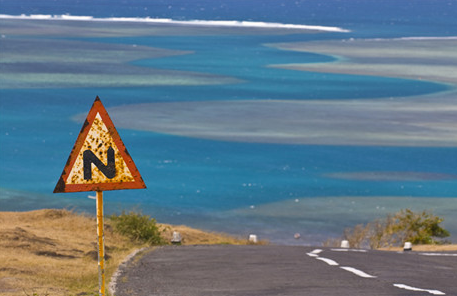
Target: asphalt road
(287, 270)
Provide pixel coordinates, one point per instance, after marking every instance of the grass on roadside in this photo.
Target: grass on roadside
(418, 228)
(54, 252)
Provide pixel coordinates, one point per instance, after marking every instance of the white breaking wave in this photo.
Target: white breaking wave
(405, 38)
(428, 38)
(213, 23)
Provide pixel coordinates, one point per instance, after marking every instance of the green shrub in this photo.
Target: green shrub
(419, 228)
(137, 227)
(404, 226)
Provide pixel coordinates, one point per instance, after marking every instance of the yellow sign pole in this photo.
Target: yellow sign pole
(120, 171)
(101, 245)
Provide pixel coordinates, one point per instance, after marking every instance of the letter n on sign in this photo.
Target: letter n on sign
(99, 160)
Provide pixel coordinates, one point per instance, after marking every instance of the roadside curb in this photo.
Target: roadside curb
(117, 274)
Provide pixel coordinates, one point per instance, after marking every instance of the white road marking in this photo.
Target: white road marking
(437, 254)
(360, 273)
(434, 292)
(331, 262)
(314, 253)
(357, 272)
(349, 250)
(328, 261)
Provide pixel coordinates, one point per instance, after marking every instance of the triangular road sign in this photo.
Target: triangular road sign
(99, 160)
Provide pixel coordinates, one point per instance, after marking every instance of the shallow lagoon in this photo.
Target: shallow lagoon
(276, 135)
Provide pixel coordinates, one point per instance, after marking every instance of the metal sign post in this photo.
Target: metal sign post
(101, 244)
(99, 161)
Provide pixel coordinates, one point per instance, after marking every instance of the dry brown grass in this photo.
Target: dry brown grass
(54, 252)
(192, 236)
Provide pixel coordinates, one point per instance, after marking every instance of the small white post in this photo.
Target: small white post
(345, 244)
(176, 239)
(408, 247)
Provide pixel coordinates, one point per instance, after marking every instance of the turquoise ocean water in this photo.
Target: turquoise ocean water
(218, 184)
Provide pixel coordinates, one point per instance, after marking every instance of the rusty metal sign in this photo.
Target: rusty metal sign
(99, 160)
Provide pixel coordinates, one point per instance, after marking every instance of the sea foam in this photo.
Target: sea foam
(212, 23)
(414, 38)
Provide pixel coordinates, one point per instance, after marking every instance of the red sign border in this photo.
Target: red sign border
(138, 182)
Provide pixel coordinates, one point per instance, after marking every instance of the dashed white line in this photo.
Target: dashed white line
(437, 254)
(328, 261)
(357, 272)
(314, 253)
(433, 292)
(360, 273)
(349, 250)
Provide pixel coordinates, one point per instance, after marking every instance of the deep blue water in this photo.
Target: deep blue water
(194, 176)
